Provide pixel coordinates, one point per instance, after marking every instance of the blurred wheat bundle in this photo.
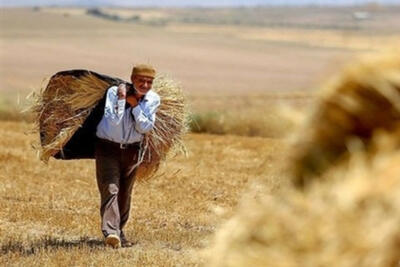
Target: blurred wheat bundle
(72, 103)
(350, 214)
(351, 219)
(364, 99)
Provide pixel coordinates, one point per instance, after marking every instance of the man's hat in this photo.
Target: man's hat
(143, 70)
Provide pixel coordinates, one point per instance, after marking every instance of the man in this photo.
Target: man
(129, 113)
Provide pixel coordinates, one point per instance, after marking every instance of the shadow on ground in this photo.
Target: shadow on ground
(48, 243)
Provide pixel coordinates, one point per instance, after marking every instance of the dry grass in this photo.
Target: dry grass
(49, 213)
(12, 113)
(265, 122)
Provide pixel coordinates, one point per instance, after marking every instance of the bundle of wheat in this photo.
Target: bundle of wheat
(62, 107)
(364, 99)
(350, 219)
(69, 108)
(350, 215)
(170, 126)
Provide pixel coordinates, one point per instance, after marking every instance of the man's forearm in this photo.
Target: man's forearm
(143, 123)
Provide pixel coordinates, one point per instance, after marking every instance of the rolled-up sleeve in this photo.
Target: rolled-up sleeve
(114, 107)
(145, 114)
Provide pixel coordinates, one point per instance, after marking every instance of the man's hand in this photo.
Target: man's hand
(132, 101)
(121, 92)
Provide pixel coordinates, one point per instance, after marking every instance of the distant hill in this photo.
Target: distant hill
(186, 3)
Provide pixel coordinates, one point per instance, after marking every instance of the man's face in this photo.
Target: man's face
(142, 84)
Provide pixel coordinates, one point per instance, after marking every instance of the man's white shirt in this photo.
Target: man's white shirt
(127, 125)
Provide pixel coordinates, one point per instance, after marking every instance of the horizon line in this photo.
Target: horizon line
(196, 6)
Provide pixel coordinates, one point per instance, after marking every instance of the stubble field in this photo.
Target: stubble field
(237, 79)
(50, 213)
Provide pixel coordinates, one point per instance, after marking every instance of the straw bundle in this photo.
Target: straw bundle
(364, 99)
(63, 106)
(350, 215)
(170, 126)
(352, 219)
(70, 107)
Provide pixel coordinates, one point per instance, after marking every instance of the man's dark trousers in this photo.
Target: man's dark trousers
(115, 178)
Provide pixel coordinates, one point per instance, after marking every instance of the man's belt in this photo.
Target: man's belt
(119, 145)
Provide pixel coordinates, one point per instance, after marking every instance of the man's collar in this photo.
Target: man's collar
(146, 96)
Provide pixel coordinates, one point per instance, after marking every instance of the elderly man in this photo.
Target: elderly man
(129, 113)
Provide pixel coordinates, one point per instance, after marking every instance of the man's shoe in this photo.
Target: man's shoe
(113, 241)
(125, 242)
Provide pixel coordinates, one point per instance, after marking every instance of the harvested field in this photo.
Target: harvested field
(256, 79)
(49, 213)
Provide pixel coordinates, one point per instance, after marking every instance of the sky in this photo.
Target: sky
(183, 3)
